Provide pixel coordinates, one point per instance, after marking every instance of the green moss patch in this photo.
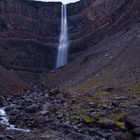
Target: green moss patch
(119, 123)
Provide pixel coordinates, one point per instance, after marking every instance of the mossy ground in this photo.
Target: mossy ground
(78, 112)
(79, 108)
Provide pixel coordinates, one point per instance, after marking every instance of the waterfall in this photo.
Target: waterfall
(63, 41)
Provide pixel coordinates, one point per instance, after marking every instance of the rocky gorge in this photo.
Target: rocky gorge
(96, 96)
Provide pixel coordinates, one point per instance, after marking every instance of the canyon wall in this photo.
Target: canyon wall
(100, 18)
(29, 31)
(29, 35)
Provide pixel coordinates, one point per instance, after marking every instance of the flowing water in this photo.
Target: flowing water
(63, 41)
(5, 122)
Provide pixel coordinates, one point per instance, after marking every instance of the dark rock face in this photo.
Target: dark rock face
(99, 19)
(88, 21)
(133, 120)
(26, 55)
(26, 30)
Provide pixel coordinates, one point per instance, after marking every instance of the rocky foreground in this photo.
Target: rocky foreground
(54, 115)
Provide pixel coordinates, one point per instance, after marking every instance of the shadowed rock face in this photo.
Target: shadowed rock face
(26, 32)
(28, 22)
(99, 19)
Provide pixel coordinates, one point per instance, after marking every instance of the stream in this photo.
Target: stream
(4, 121)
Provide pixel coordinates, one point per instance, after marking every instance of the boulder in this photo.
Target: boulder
(54, 91)
(2, 137)
(121, 136)
(107, 123)
(33, 108)
(132, 120)
(136, 131)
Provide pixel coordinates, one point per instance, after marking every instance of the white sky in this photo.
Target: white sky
(63, 1)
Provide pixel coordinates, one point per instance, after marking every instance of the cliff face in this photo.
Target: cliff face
(99, 19)
(113, 62)
(28, 34)
(31, 29)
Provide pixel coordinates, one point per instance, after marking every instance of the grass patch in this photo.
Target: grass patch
(119, 123)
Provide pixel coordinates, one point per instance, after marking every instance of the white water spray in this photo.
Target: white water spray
(63, 41)
(4, 121)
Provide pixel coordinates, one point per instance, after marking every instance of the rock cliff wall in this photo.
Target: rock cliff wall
(32, 29)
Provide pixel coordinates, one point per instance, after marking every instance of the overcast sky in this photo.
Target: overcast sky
(63, 1)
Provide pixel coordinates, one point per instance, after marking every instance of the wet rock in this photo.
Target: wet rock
(2, 127)
(2, 101)
(15, 112)
(12, 119)
(33, 108)
(132, 120)
(10, 107)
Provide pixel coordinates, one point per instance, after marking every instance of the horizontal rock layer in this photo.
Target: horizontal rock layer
(89, 21)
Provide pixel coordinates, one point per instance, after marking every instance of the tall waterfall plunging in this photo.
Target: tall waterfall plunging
(63, 41)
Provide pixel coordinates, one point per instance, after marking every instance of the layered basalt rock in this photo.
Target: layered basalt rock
(28, 35)
(99, 19)
(89, 21)
(26, 55)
